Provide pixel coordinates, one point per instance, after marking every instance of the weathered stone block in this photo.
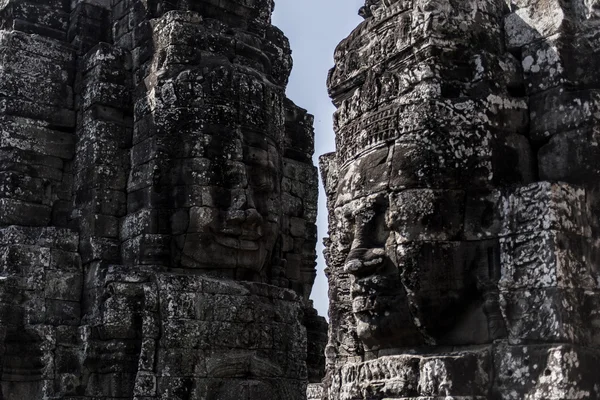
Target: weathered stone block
(37, 44)
(528, 209)
(314, 391)
(67, 261)
(99, 152)
(107, 94)
(102, 201)
(18, 212)
(530, 21)
(63, 285)
(412, 376)
(557, 111)
(415, 165)
(54, 18)
(547, 259)
(26, 134)
(62, 312)
(569, 156)
(544, 65)
(117, 384)
(546, 206)
(31, 87)
(141, 222)
(545, 372)
(146, 249)
(26, 188)
(98, 248)
(60, 117)
(51, 237)
(424, 214)
(145, 384)
(107, 176)
(30, 163)
(559, 315)
(100, 225)
(102, 124)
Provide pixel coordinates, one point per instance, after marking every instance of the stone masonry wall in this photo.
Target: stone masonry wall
(157, 204)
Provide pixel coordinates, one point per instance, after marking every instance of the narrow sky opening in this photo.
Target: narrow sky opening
(314, 28)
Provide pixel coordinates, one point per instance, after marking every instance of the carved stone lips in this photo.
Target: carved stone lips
(235, 242)
(362, 304)
(370, 285)
(237, 237)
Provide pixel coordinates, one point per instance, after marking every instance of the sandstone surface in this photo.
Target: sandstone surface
(157, 204)
(463, 202)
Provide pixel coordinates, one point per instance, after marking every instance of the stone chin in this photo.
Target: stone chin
(379, 329)
(384, 324)
(237, 244)
(225, 252)
(368, 327)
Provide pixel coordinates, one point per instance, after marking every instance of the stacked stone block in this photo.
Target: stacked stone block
(41, 269)
(104, 135)
(298, 203)
(49, 19)
(206, 321)
(40, 289)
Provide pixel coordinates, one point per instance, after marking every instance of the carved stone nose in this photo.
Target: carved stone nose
(253, 217)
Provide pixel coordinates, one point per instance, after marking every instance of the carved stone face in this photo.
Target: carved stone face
(236, 179)
(410, 277)
(240, 227)
(379, 300)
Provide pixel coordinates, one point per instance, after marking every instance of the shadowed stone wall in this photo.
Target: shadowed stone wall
(157, 204)
(463, 202)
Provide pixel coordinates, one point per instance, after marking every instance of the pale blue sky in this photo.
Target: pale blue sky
(314, 28)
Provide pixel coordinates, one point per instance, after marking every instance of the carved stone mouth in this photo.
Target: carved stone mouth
(237, 243)
(249, 234)
(381, 284)
(364, 304)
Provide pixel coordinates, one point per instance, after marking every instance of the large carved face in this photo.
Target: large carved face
(239, 177)
(378, 298)
(241, 229)
(410, 279)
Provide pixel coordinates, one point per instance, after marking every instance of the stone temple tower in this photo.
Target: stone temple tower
(157, 204)
(463, 201)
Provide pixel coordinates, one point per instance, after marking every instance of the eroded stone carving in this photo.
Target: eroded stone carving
(462, 203)
(158, 204)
